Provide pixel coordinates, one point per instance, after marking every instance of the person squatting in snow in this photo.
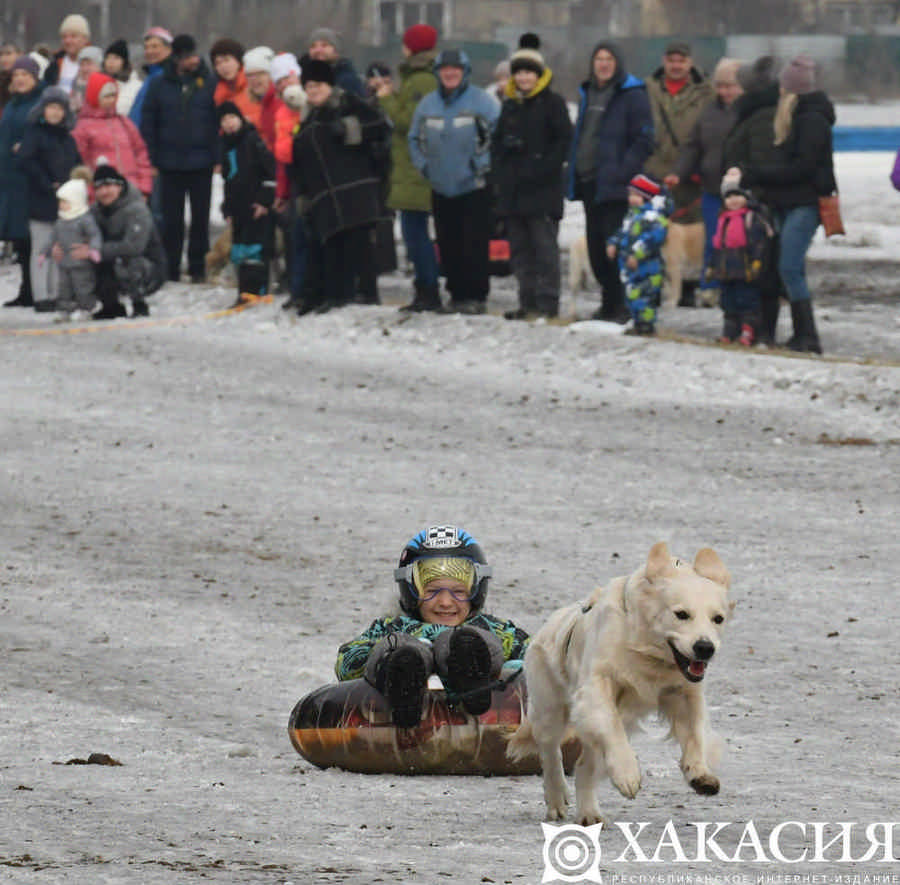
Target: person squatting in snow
(740, 246)
(442, 579)
(637, 247)
(248, 169)
(76, 280)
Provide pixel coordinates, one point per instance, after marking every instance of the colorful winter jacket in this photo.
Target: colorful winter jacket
(352, 655)
(641, 236)
(740, 245)
(409, 189)
(238, 91)
(450, 136)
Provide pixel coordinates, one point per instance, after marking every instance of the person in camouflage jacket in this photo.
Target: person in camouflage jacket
(442, 579)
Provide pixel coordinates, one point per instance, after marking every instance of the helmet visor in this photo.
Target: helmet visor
(423, 571)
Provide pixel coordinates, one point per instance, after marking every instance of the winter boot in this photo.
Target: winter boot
(805, 338)
(253, 278)
(426, 298)
(139, 307)
(688, 294)
(749, 328)
(469, 667)
(731, 328)
(404, 686)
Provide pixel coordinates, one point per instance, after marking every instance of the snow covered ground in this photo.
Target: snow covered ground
(197, 512)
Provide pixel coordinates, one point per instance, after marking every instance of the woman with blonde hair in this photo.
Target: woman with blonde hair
(799, 171)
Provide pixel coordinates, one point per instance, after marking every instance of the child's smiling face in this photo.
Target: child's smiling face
(449, 605)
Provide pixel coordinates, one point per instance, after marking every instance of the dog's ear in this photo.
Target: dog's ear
(708, 565)
(659, 561)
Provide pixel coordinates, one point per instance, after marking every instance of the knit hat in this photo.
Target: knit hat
(26, 63)
(75, 193)
(159, 33)
(678, 47)
(317, 71)
(420, 38)
(226, 46)
(731, 184)
(757, 76)
(258, 60)
(54, 95)
(528, 56)
(91, 53)
(284, 64)
(120, 48)
(799, 76)
(75, 24)
(326, 35)
(107, 174)
(97, 84)
(228, 107)
(725, 71)
(184, 46)
(645, 186)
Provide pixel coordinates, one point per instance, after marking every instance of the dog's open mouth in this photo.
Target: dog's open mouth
(693, 670)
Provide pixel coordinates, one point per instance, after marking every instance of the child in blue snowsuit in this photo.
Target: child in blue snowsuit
(638, 247)
(741, 245)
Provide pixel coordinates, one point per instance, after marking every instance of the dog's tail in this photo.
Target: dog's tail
(522, 744)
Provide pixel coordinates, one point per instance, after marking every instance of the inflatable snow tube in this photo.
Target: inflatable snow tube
(348, 725)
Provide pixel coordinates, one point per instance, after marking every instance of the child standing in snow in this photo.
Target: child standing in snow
(740, 245)
(248, 168)
(638, 247)
(76, 284)
(443, 581)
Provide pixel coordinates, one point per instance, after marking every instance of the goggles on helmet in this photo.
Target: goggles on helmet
(422, 572)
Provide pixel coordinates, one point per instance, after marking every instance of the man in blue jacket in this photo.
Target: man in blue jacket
(179, 125)
(613, 138)
(450, 144)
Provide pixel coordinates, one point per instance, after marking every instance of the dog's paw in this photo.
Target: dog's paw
(626, 777)
(590, 816)
(556, 812)
(705, 784)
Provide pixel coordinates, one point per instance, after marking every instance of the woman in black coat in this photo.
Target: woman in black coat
(529, 149)
(47, 154)
(340, 154)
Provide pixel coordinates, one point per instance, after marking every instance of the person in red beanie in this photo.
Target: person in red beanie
(410, 193)
(101, 132)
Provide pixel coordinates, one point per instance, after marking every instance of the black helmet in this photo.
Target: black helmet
(444, 542)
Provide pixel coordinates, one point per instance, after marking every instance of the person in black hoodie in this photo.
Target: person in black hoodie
(47, 154)
(799, 170)
(529, 149)
(248, 169)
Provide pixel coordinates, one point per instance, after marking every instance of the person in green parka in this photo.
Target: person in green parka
(410, 193)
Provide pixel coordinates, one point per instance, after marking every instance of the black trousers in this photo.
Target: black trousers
(196, 185)
(602, 220)
(463, 225)
(344, 256)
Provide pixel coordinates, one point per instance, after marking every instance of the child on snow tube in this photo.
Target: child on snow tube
(443, 580)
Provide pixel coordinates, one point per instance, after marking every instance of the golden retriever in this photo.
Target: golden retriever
(642, 644)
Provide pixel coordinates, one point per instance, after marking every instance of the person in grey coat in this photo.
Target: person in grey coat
(76, 281)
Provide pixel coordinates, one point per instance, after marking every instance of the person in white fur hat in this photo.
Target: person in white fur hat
(76, 281)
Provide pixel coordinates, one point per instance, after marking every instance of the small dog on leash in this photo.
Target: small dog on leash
(682, 253)
(640, 645)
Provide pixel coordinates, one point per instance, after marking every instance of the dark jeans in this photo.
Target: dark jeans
(463, 226)
(419, 248)
(196, 185)
(534, 255)
(602, 220)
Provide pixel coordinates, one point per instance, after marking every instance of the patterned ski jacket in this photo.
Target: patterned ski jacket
(641, 236)
(352, 655)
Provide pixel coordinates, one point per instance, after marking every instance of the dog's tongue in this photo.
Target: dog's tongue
(697, 668)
